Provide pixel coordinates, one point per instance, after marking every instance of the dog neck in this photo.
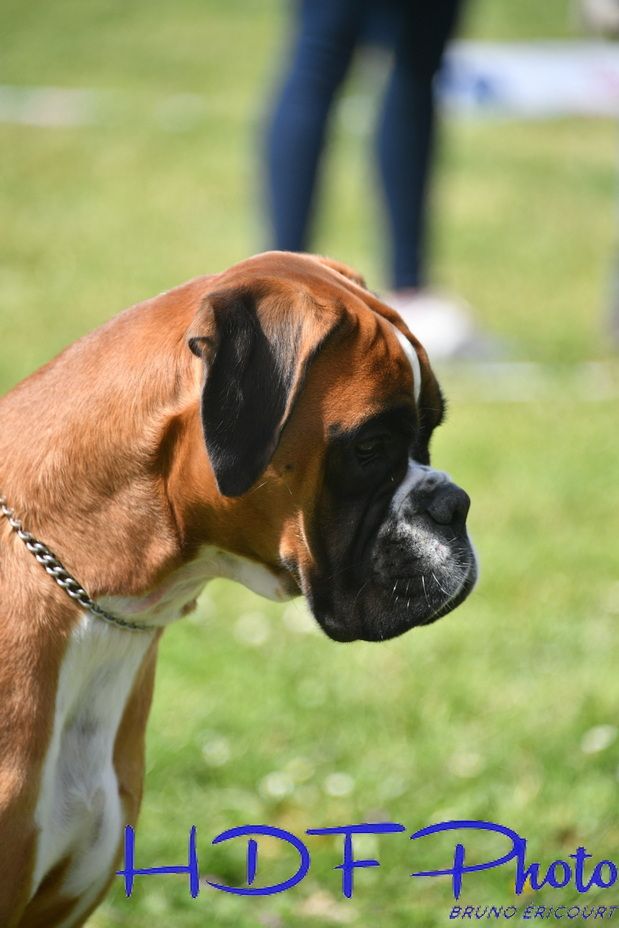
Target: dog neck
(88, 442)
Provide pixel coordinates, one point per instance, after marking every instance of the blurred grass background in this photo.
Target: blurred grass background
(506, 710)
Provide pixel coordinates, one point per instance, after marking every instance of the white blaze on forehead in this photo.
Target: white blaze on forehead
(413, 360)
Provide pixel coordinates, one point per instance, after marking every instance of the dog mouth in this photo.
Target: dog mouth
(439, 592)
(386, 606)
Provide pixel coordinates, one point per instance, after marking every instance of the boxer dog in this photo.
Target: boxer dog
(269, 424)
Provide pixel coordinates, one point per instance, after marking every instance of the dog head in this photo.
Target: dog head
(318, 406)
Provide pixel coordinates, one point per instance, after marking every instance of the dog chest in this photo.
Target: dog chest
(79, 811)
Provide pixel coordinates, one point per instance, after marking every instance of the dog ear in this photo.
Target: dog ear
(256, 350)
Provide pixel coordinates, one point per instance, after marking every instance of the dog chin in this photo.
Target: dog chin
(389, 610)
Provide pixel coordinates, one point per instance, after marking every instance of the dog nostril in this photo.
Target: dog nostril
(450, 506)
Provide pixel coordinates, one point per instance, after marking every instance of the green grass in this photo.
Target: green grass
(480, 716)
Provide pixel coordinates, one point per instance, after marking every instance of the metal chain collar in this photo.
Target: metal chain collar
(61, 575)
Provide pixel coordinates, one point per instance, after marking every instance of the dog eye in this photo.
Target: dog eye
(370, 448)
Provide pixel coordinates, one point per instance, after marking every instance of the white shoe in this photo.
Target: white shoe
(601, 16)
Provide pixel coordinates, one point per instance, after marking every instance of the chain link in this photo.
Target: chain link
(50, 563)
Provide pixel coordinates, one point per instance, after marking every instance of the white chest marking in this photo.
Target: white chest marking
(79, 811)
(413, 360)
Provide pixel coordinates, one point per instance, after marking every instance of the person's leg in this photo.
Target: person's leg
(328, 31)
(406, 132)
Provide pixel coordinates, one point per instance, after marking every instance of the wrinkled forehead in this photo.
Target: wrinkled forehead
(382, 333)
(427, 394)
(375, 362)
(366, 369)
(389, 369)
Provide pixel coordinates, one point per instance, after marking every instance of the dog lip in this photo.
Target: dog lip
(397, 592)
(404, 587)
(462, 593)
(338, 632)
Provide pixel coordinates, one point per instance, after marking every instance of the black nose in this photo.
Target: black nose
(449, 505)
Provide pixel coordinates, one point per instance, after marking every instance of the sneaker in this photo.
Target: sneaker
(600, 16)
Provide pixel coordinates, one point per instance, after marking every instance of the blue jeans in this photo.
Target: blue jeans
(328, 32)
